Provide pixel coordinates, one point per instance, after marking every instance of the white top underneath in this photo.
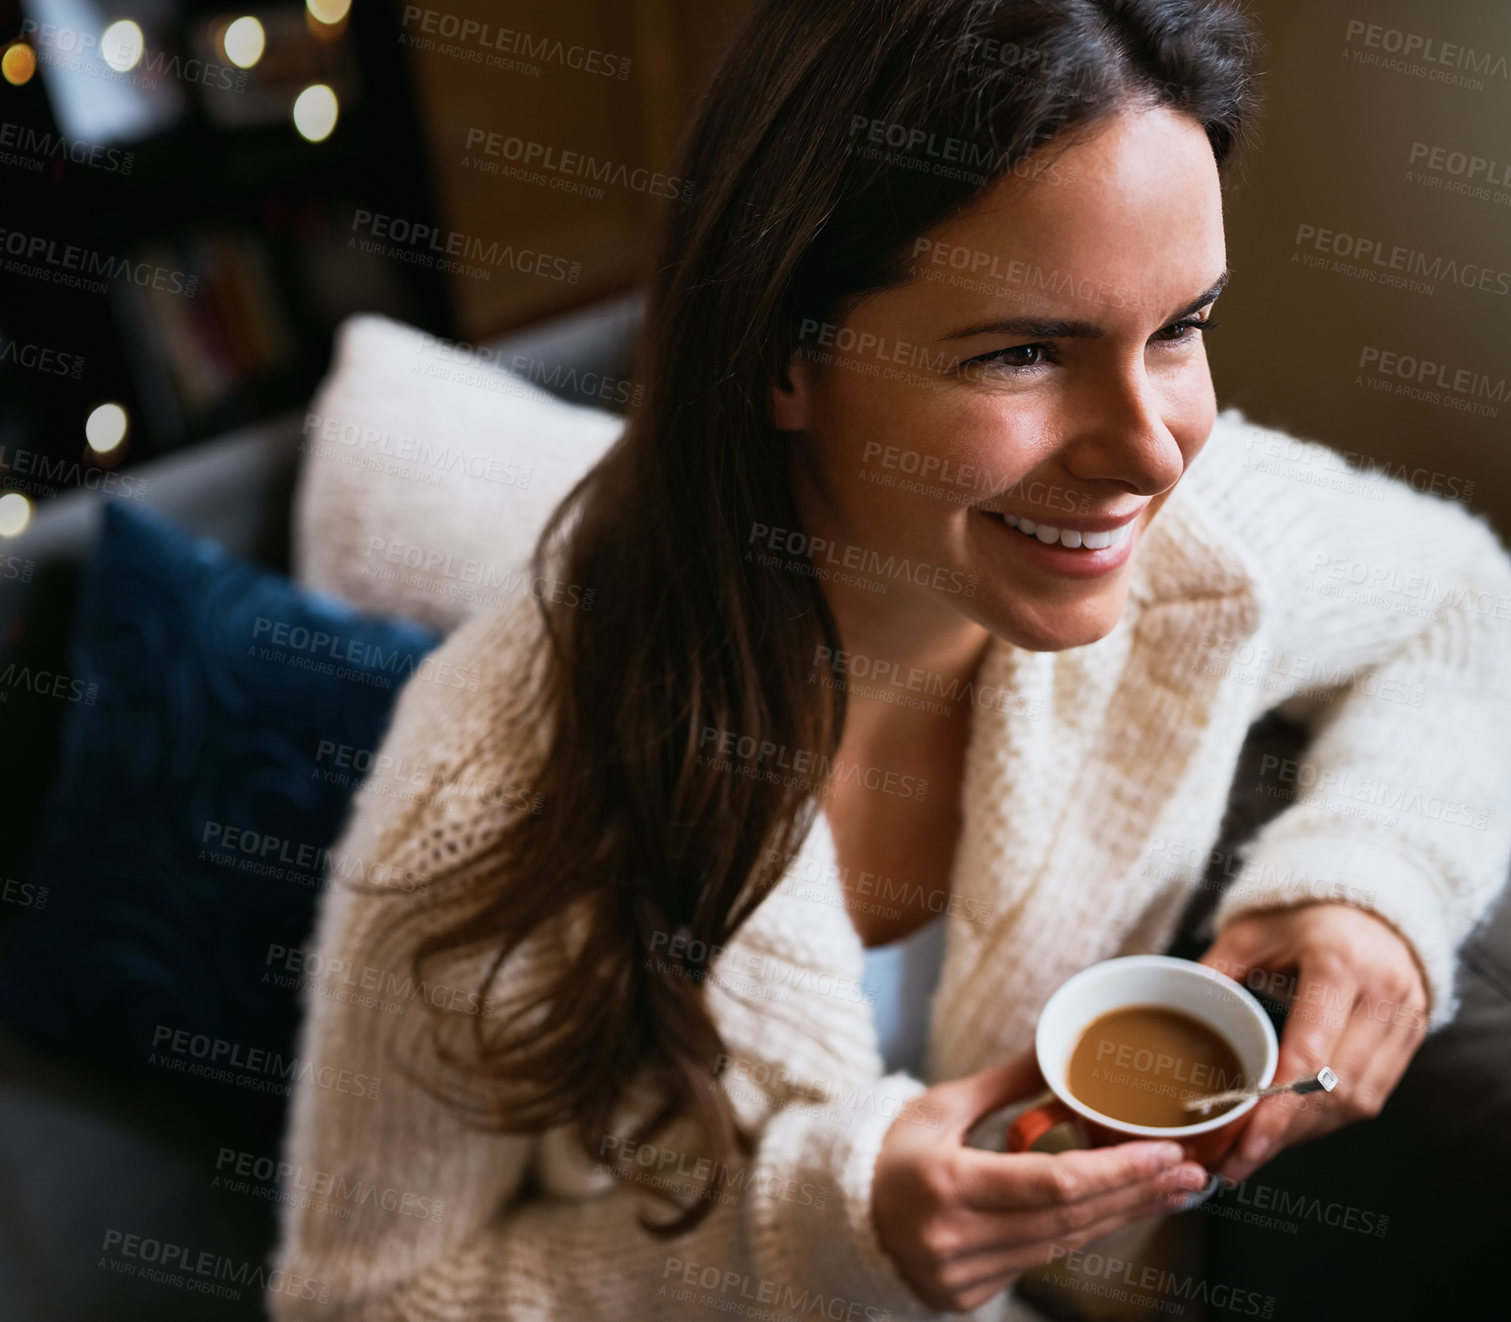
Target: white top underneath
(899, 981)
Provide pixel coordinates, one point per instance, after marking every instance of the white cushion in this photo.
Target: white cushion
(425, 476)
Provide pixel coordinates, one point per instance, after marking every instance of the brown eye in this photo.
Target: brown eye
(1181, 330)
(1020, 355)
(1023, 355)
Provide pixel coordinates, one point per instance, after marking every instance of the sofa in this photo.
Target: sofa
(85, 1154)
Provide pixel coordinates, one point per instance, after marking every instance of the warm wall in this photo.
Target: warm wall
(1299, 341)
(614, 82)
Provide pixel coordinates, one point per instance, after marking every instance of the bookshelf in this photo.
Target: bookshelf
(192, 264)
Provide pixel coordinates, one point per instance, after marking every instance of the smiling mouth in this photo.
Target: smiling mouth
(1067, 537)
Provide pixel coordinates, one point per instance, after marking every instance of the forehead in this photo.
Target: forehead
(1123, 217)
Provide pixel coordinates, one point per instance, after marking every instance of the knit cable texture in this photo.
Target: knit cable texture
(1085, 772)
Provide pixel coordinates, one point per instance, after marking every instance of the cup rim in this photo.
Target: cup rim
(1191, 968)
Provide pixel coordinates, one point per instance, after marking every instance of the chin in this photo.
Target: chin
(1056, 631)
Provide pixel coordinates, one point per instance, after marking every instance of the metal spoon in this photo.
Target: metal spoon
(1324, 1080)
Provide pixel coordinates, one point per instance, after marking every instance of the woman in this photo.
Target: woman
(928, 417)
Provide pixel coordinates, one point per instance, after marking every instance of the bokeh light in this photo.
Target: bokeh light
(105, 428)
(15, 514)
(122, 44)
(244, 42)
(328, 11)
(18, 63)
(315, 112)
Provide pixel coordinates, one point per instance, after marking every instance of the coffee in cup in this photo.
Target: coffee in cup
(1091, 1012)
(1143, 1063)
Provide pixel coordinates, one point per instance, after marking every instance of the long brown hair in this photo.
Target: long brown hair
(788, 220)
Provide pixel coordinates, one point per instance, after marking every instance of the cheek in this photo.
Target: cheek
(863, 417)
(1193, 425)
(1190, 409)
(1005, 437)
(962, 446)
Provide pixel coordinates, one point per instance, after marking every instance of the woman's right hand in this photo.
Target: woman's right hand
(962, 1224)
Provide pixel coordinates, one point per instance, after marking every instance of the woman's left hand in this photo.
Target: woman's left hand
(1358, 1003)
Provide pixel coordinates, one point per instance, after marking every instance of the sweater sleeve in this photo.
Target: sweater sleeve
(1391, 640)
(419, 1215)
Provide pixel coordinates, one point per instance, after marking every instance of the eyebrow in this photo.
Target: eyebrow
(1028, 328)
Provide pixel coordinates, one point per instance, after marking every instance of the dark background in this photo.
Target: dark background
(214, 184)
(1358, 98)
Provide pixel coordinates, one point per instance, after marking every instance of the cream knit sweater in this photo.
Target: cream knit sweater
(1274, 575)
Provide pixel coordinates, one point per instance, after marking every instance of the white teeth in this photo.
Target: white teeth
(1069, 537)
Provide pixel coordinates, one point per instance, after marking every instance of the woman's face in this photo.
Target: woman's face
(1043, 364)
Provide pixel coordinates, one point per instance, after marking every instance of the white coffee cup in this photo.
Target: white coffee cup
(1209, 997)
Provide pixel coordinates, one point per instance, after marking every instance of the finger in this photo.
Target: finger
(1027, 1181)
(1308, 1043)
(1238, 950)
(969, 1281)
(1378, 1041)
(966, 1100)
(1371, 1059)
(1042, 1252)
(988, 1231)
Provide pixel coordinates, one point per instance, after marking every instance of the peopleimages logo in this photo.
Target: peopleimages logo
(1432, 382)
(485, 37)
(201, 1272)
(1430, 50)
(426, 245)
(369, 662)
(822, 552)
(1373, 257)
(910, 141)
(1461, 164)
(803, 762)
(40, 474)
(41, 359)
(47, 684)
(1425, 371)
(882, 673)
(529, 154)
(39, 146)
(78, 51)
(69, 262)
(295, 967)
(325, 1191)
(270, 1071)
(734, 1292)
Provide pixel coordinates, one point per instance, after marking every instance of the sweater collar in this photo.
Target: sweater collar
(1063, 785)
(1044, 719)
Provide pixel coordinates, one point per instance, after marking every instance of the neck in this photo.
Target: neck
(928, 651)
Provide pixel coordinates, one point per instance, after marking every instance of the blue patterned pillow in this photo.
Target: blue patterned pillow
(188, 831)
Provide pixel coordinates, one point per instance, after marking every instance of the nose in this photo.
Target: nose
(1120, 435)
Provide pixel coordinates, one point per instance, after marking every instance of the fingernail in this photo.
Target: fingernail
(1167, 1154)
(1254, 1147)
